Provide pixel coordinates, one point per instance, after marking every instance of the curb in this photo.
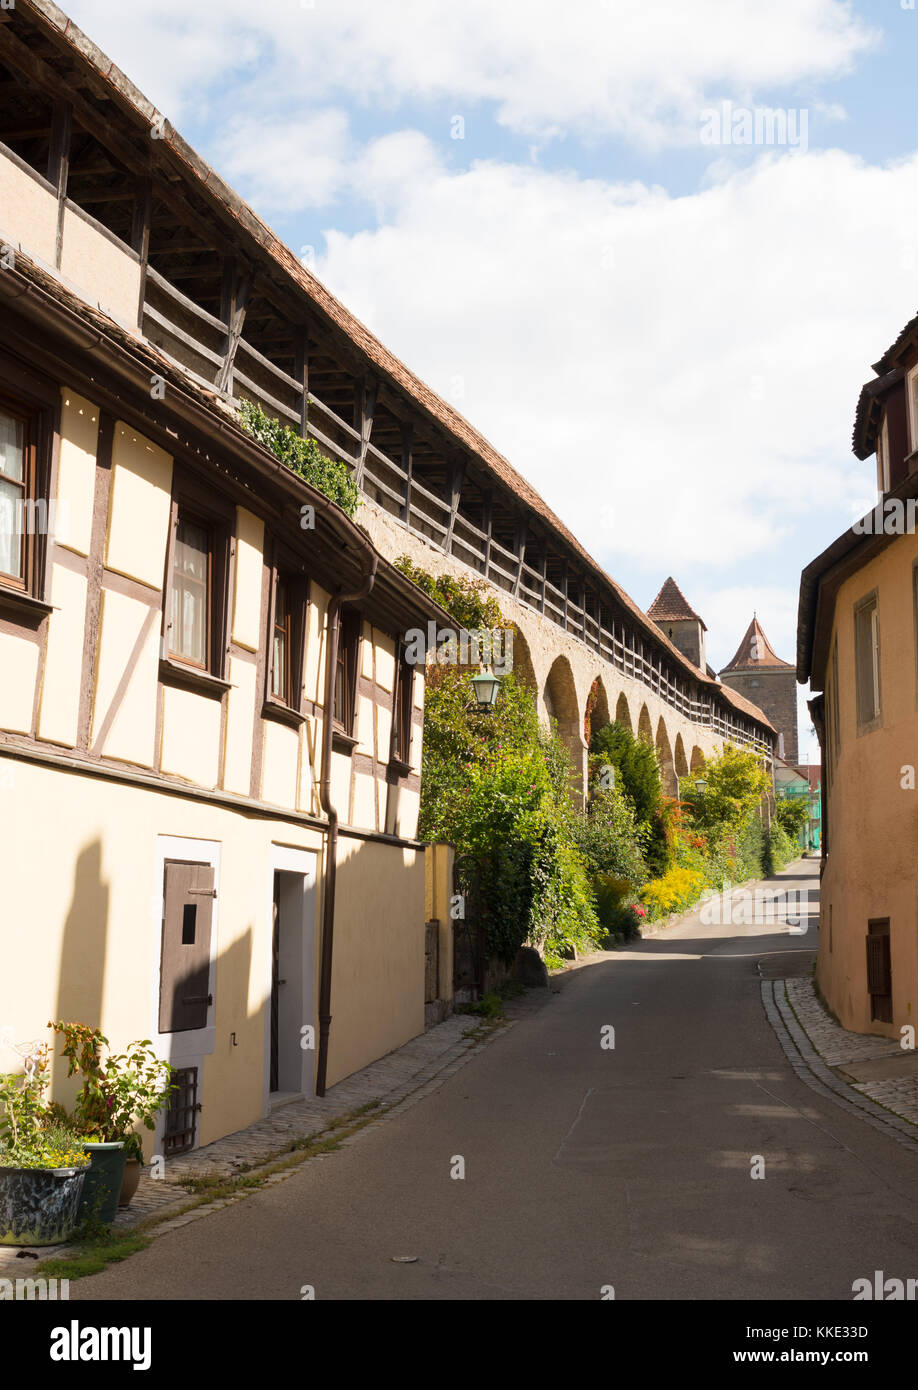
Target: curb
(813, 1071)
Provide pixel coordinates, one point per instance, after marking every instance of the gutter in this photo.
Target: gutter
(333, 627)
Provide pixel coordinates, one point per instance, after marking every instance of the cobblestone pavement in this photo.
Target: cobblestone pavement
(391, 1084)
(819, 1049)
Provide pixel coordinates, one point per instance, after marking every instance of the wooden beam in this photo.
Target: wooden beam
(456, 479)
(488, 527)
(140, 235)
(233, 299)
(59, 166)
(520, 554)
(408, 467)
(301, 372)
(364, 423)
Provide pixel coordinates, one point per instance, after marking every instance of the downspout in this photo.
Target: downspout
(325, 801)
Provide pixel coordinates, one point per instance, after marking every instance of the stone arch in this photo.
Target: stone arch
(596, 712)
(697, 762)
(523, 668)
(665, 755)
(645, 728)
(561, 704)
(680, 758)
(622, 712)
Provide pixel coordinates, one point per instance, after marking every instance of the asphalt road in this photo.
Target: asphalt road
(585, 1166)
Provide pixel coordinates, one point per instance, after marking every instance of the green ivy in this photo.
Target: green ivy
(302, 456)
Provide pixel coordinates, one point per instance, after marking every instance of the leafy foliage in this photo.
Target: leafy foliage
(793, 815)
(637, 773)
(466, 600)
(302, 456)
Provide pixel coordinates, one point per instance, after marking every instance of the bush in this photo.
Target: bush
(302, 456)
(793, 815)
(637, 775)
(674, 891)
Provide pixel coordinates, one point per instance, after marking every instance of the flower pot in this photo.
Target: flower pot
(38, 1206)
(103, 1182)
(129, 1184)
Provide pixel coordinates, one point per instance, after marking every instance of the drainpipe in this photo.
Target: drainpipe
(331, 848)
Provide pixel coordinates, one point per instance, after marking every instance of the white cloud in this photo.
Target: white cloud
(592, 66)
(677, 376)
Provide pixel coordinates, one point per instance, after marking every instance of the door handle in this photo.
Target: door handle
(197, 999)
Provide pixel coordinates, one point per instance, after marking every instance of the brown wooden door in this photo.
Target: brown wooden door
(188, 905)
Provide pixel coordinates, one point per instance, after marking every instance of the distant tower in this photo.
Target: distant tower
(759, 673)
(672, 613)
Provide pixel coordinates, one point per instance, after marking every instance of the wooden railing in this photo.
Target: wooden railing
(197, 342)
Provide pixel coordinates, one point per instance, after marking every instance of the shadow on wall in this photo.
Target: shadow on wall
(81, 969)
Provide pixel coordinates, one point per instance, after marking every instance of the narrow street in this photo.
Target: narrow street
(585, 1166)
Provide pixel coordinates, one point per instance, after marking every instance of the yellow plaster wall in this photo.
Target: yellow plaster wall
(58, 719)
(191, 736)
(872, 867)
(240, 725)
(102, 271)
(250, 545)
(280, 773)
(18, 673)
(76, 477)
(124, 701)
(28, 212)
(139, 507)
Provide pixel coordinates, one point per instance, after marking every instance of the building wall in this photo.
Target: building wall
(774, 690)
(872, 870)
(81, 847)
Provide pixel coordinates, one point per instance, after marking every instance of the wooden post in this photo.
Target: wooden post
(301, 372)
(564, 584)
(140, 235)
(367, 406)
(233, 299)
(520, 554)
(408, 466)
(456, 478)
(59, 166)
(488, 528)
(544, 574)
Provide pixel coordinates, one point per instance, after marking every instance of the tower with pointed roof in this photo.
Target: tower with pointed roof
(757, 672)
(672, 612)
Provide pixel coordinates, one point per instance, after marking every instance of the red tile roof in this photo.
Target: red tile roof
(754, 651)
(671, 606)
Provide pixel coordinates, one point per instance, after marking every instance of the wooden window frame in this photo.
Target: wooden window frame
(37, 403)
(402, 715)
(883, 474)
(193, 503)
(286, 568)
(874, 721)
(911, 404)
(350, 635)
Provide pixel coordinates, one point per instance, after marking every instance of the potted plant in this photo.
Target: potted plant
(42, 1161)
(118, 1092)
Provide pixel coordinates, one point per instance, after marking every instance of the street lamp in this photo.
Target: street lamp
(700, 785)
(486, 685)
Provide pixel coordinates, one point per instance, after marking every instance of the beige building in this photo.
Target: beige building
(858, 646)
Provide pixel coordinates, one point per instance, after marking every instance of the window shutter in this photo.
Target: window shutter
(879, 971)
(188, 906)
(866, 633)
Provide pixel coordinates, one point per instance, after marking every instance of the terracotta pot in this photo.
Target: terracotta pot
(131, 1179)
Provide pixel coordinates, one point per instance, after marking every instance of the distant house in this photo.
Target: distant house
(858, 647)
(801, 784)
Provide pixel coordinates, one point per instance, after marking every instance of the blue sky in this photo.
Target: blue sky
(665, 335)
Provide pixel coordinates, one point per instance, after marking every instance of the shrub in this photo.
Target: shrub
(674, 891)
(302, 456)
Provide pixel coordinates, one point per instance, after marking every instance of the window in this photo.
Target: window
(280, 657)
(867, 660)
(879, 971)
(286, 638)
(883, 456)
(346, 672)
(197, 574)
(404, 705)
(191, 583)
(14, 494)
(912, 390)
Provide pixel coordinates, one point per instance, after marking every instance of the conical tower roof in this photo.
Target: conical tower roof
(671, 606)
(755, 651)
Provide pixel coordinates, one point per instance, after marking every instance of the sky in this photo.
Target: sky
(650, 251)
